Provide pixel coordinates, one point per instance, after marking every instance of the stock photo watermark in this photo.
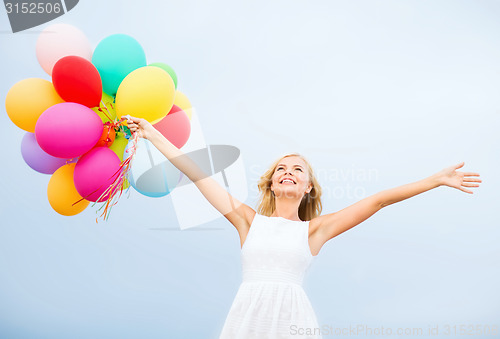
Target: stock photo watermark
(336, 183)
(452, 330)
(25, 14)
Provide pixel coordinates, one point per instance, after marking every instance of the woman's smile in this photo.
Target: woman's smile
(290, 177)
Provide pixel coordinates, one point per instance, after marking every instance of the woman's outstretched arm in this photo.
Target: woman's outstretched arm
(330, 225)
(238, 213)
(447, 177)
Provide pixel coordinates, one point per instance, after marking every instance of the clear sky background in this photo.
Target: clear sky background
(376, 94)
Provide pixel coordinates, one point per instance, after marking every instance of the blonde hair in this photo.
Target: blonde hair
(310, 206)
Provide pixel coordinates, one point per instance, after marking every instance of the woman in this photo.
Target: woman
(279, 242)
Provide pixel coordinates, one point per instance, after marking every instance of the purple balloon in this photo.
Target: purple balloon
(37, 158)
(68, 130)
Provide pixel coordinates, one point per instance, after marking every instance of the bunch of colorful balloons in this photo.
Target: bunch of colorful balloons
(73, 123)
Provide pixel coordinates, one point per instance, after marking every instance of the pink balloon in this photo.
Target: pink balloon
(68, 130)
(95, 171)
(175, 126)
(60, 40)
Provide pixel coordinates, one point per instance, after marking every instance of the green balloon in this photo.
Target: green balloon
(167, 69)
(119, 145)
(106, 109)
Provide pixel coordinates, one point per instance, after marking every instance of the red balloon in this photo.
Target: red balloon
(77, 80)
(175, 126)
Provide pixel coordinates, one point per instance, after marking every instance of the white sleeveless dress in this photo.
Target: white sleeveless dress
(271, 302)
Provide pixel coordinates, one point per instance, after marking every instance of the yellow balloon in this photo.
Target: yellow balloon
(118, 146)
(126, 184)
(62, 193)
(182, 101)
(148, 92)
(106, 109)
(28, 99)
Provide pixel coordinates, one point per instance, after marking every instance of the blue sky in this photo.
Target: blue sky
(376, 94)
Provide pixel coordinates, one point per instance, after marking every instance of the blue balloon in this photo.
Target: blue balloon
(115, 57)
(151, 174)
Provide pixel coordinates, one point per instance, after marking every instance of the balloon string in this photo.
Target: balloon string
(118, 184)
(106, 107)
(116, 124)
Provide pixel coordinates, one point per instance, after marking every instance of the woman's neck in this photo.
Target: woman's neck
(287, 208)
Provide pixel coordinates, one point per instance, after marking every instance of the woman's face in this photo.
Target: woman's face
(291, 178)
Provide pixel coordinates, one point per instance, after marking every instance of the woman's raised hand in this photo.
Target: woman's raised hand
(140, 126)
(456, 179)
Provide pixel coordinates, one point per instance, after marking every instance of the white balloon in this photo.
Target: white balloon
(58, 41)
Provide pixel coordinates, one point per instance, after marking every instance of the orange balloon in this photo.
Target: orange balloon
(28, 99)
(107, 137)
(62, 193)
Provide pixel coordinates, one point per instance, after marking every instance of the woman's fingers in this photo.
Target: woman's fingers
(470, 185)
(133, 123)
(138, 125)
(133, 119)
(472, 180)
